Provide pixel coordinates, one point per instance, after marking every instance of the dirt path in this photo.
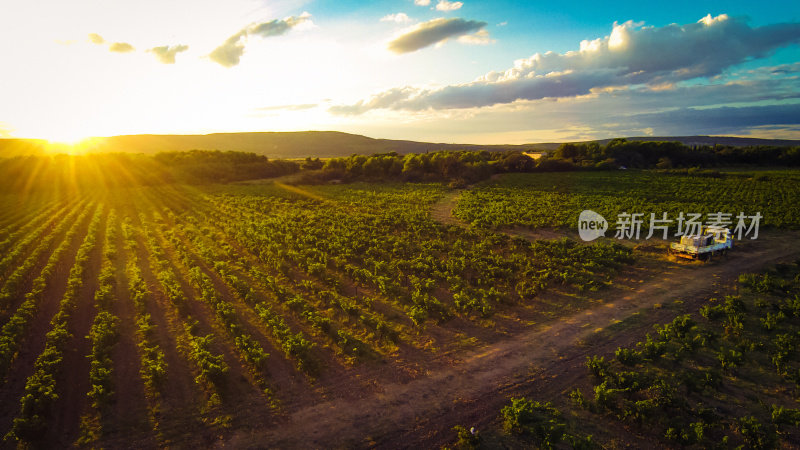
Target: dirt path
(420, 413)
(442, 210)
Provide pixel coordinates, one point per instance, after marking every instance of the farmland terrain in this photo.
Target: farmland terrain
(354, 314)
(546, 361)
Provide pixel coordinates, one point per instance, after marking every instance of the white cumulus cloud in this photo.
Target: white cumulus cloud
(121, 47)
(433, 32)
(479, 38)
(95, 38)
(445, 5)
(632, 54)
(230, 52)
(397, 17)
(166, 53)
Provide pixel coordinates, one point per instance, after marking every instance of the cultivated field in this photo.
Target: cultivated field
(555, 199)
(310, 315)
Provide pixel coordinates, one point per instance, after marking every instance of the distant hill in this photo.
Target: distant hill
(16, 147)
(691, 140)
(324, 144)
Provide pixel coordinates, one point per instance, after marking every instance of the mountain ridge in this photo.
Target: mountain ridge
(324, 144)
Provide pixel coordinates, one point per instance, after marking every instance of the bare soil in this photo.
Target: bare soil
(442, 210)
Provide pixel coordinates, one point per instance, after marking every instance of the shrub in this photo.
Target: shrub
(756, 434)
(540, 420)
(579, 399)
(628, 356)
(466, 439)
(597, 365)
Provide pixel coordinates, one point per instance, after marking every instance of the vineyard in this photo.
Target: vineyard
(556, 199)
(725, 376)
(167, 314)
(150, 316)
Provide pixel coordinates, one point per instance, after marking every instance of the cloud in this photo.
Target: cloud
(166, 53)
(433, 32)
(116, 47)
(688, 110)
(230, 52)
(631, 55)
(277, 27)
(398, 17)
(444, 5)
(702, 95)
(120, 47)
(299, 107)
(384, 100)
(722, 120)
(684, 110)
(785, 69)
(479, 38)
(95, 38)
(422, 2)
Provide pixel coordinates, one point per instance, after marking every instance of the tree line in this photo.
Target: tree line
(456, 167)
(108, 170)
(461, 167)
(665, 155)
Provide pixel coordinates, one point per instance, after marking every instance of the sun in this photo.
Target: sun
(66, 138)
(69, 143)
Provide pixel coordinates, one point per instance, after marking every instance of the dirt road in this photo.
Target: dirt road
(546, 360)
(442, 210)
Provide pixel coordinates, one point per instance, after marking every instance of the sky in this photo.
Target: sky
(483, 72)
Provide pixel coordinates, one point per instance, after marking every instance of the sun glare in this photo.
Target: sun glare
(70, 144)
(68, 140)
